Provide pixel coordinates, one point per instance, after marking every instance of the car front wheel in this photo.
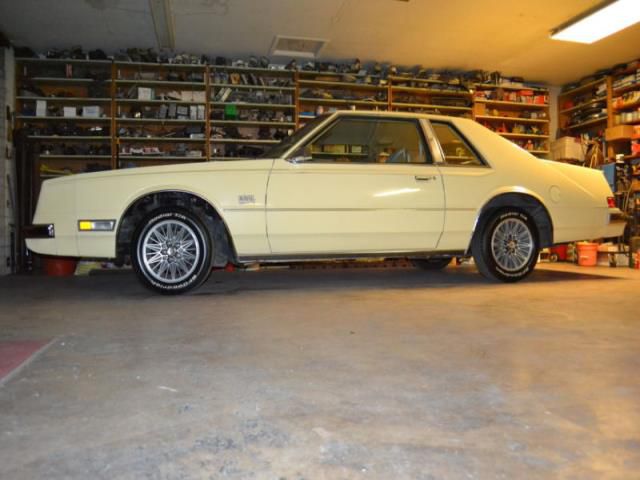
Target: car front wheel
(507, 247)
(171, 251)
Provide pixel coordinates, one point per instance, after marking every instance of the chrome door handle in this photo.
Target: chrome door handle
(425, 178)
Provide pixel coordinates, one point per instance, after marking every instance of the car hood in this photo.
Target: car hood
(172, 169)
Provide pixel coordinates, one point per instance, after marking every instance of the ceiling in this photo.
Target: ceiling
(511, 37)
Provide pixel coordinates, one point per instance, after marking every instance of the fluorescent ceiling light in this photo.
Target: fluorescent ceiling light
(606, 19)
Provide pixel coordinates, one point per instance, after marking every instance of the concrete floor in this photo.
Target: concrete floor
(387, 374)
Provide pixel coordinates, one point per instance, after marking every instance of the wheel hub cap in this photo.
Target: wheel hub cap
(170, 251)
(512, 244)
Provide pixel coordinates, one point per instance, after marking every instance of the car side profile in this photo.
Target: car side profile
(347, 185)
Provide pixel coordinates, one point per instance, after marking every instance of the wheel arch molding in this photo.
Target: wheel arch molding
(526, 202)
(145, 203)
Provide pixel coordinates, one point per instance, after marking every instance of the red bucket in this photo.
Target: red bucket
(59, 266)
(587, 254)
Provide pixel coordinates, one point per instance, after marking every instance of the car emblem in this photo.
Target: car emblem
(246, 199)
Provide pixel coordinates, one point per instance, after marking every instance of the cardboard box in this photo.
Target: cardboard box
(69, 112)
(567, 148)
(619, 132)
(145, 93)
(92, 111)
(41, 108)
(479, 109)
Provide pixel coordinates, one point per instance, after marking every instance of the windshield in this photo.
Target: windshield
(280, 149)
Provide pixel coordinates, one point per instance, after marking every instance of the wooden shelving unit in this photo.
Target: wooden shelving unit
(429, 96)
(583, 109)
(519, 113)
(153, 113)
(250, 108)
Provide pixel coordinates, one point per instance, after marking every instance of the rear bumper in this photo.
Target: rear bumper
(40, 231)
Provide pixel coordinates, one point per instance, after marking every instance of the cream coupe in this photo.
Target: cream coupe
(347, 185)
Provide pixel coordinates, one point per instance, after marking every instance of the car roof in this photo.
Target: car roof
(382, 113)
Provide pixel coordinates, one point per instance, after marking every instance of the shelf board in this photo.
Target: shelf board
(584, 104)
(627, 88)
(253, 87)
(629, 106)
(430, 106)
(582, 88)
(588, 123)
(277, 106)
(244, 140)
(539, 152)
(74, 157)
(159, 121)
(77, 61)
(432, 92)
(64, 99)
(511, 119)
(79, 138)
(538, 89)
(344, 85)
(65, 80)
(522, 135)
(35, 118)
(159, 83)
(264, 71)
(337, 101)
(157, 102)
(161, 139)
(513, 104)
(399, 78)
(253, 123)
(187, 66)
(228, 159)
(122, 157)
(317, 73)
(632, 122)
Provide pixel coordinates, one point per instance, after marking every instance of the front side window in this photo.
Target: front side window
(455, 149)
(369, 140)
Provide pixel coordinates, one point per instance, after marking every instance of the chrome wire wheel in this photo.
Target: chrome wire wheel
(512, 244)
(170, 251)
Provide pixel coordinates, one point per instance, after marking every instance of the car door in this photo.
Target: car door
(367, 184)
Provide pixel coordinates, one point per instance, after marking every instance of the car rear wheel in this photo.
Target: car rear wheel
(507, 247)
(432, 263)
(171, 251)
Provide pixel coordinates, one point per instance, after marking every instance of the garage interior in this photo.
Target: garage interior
(354, 369)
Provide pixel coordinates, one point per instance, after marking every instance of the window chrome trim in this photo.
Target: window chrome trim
(468, 144)
(336, 117)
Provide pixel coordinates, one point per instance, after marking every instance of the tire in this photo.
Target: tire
(507, 247)
(431, 263)
(166, 267)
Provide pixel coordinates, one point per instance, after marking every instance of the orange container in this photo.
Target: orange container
(587, 254)
(59, 266)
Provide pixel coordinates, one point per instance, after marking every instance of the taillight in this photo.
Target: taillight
(611, 201)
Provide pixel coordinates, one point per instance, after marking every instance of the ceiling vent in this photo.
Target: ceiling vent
(297, 46)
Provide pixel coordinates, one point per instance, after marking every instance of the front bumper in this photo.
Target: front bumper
(40, 231)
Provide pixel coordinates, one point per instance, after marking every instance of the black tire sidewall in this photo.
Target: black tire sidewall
(204, 265)
(487, 253)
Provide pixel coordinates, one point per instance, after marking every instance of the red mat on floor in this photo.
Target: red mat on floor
(14, 354)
